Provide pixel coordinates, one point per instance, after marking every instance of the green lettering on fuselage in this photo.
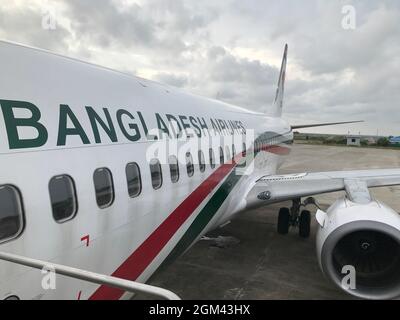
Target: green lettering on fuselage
(133, 126)
(63, 131)
(161, 125)
(107, 127)
(12, 123)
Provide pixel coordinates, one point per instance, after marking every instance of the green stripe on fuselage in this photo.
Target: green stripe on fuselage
(210, 209)
(204, 216)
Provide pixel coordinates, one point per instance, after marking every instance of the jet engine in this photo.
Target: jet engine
(366, 237)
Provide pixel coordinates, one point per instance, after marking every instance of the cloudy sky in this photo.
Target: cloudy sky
(338, 68)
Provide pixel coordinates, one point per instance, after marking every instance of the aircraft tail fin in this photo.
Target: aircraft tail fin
(276, 110)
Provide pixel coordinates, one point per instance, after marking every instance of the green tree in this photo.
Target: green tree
(383, 142)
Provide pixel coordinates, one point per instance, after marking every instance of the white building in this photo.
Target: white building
(354, 141)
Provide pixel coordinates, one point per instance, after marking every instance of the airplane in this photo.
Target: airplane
(108, 177)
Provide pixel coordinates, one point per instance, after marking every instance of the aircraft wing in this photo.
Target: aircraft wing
(302, 126)
(277, 188)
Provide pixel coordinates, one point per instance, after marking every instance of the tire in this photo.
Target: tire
(305, 224)
(283, 221)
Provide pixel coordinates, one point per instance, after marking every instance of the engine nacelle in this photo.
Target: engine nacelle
(366, 237)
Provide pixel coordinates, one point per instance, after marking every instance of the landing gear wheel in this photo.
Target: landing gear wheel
(283, 221)
(304, 224)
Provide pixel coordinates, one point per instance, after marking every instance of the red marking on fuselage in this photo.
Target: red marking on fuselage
(86, 238)
(276, 149)
(140, 259)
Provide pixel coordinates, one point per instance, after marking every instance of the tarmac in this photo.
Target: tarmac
(248, 259)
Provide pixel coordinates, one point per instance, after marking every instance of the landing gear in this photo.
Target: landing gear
(304, 224)
(293, 217)
(283, 221)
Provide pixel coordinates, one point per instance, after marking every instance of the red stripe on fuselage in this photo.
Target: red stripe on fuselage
(276, 149)
(139, 260)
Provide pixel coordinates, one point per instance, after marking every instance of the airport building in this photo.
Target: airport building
(354, 140)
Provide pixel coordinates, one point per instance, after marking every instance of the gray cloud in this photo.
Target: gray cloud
(175, 80)
(103, 24)
(24, 25)
(152, 27)
(231, 49)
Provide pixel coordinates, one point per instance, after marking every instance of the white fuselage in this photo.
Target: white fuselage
(133, 236)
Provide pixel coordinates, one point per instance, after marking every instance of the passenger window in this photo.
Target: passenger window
(174, 169)
(233, 151)
(228, 154)
(221, 155)
(103, 184)
(202, 162)
(63, 198)
(133, 179)
(11, 216)
(244, 148)
(189, 164)
(212, 158)
(156, 174)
